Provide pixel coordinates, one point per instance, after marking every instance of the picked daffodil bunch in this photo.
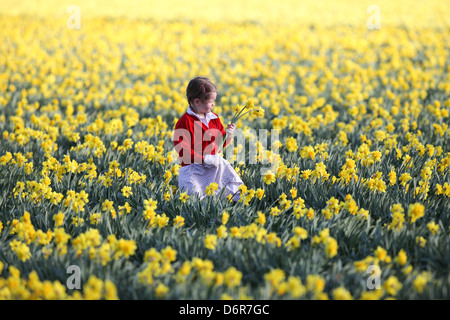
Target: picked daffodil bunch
(240, 112)
(248, 108)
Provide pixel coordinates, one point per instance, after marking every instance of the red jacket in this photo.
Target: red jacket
(193, 139)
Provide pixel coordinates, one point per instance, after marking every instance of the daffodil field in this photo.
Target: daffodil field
(358, 206)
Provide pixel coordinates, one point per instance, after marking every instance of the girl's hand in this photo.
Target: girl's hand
(230, 129)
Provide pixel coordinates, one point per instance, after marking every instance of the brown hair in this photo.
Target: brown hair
(199, 88)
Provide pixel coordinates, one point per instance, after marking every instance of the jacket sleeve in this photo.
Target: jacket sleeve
(222, 129)
(183, 140)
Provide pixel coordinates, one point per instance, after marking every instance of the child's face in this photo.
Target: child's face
(203, 107)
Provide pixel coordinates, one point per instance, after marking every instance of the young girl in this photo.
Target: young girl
(197, 137)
